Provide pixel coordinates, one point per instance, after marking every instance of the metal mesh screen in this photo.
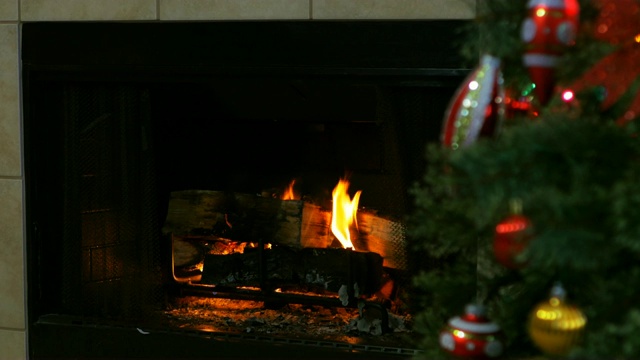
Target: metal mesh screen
(414, 116)
(112, 245)
(112, 256)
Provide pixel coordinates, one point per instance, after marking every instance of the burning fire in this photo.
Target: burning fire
(289, 194)
(344, 213)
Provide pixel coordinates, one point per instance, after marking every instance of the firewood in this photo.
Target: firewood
(309, 269)
(186, 253)
(294, 223)
(234, 216)
(383, 236)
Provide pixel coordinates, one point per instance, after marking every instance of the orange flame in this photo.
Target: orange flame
(288, 193)
(344, 213)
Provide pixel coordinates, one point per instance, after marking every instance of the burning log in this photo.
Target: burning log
(294, 223)
(383, 236)
(244, 217)
(308, 269)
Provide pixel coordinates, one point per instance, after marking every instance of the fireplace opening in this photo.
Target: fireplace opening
(182, 182)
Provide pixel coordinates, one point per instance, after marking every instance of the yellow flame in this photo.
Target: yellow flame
(288, 193)
(344, 213)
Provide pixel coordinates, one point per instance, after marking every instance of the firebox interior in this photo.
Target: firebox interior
(119, 117)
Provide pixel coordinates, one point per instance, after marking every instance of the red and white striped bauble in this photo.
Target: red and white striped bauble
(472, 112)
(472, 335)
(549, 28)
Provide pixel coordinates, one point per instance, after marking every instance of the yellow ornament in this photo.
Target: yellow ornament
(555, 326)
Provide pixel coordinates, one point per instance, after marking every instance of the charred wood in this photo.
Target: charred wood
(308, 269)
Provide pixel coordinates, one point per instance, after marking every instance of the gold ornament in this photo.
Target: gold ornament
(555, 326)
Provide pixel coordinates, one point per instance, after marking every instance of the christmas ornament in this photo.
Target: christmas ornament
(511, 237)
(550, 27)
(472, 111)
(556, 326)
(618, 23)
(472, 335)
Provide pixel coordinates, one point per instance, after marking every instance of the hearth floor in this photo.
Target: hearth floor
(293, 321)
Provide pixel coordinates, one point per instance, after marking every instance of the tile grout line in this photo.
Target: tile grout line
(13, 329)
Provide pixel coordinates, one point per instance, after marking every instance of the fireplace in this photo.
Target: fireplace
(130, 126)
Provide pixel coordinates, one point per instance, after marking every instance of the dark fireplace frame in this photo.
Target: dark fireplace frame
(398, 53)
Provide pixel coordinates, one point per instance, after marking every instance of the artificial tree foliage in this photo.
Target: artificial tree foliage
(576, 172)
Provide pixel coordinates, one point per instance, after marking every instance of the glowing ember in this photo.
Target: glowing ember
(344, 213)
(288, 193)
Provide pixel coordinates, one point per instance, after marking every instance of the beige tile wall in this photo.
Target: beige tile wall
(185, 10)
(12, 12)
(233, 10)
(393, 9)
(93, 10)
(8, 10)
(13, 344)
(12, 286)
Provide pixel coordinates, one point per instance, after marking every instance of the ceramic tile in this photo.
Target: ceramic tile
(98, 10)
(393, 9)
(8, 10)
(12, 308)
(233, 9)
(10, 100)
(13, 344)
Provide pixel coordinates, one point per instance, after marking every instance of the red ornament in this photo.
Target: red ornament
(473, 112)
(512, 236)
(550, 27)
(472, 335)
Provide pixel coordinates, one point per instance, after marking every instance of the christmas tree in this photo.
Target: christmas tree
(532, 198)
